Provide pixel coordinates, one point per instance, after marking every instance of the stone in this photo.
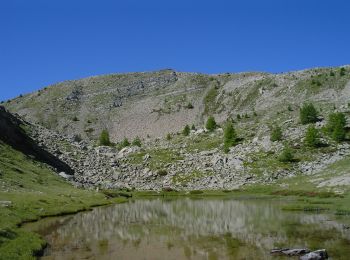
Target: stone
(315, 255)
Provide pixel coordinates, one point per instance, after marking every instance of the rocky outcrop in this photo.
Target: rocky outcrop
(12, 133)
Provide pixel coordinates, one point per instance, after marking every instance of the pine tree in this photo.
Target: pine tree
(336, 126)
(312, 137)
(186, 130)
(286, 155)
(308, 114)
(137, 142)
(104, 138)
(230, 137)
(124, 143)
(276, 134)
(211, 124)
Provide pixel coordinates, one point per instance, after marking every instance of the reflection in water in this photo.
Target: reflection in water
(189, 229)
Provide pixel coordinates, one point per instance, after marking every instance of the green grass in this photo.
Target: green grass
(204, 142)
(159, 157)
(34, 191)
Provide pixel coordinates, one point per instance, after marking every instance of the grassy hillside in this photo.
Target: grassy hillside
(30, 190)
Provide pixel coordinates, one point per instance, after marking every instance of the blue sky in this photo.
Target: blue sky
(43, 42)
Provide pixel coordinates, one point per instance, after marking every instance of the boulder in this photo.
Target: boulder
(315, 255)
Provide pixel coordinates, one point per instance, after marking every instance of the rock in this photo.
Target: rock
(65, 176)
(290, 252)
(5, 203)
(146, 157)
(315, 255)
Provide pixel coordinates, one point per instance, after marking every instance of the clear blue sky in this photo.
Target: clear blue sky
(43, 42)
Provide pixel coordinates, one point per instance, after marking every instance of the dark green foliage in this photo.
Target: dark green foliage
(342, 72)
(230, 137)
(290, 108)
(276, 134)
(211, 124)
(186, 130)
(137, 142)
(308, 114)
(75, 119)
(312, 137)
(286, 155)
(104, 138)
(162, 172)
(336, 126)
(332, 74)
(189, 105)
(168, 136)
(124, 143)
(193, 127)
(238, 116)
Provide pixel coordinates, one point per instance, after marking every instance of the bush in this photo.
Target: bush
(137, 142)
(230, 137)
(336, 126)
(75, 119)
(186, 130)
(331, 74)
(124, 143)
(168, 136)
(162, 172)
(276, 134)
(104, 138)
(238, 116)
(286, 155)
(211, 124)
(342, 72)
(312, 137)
(193, 127)
(308, 114)
(189, 105)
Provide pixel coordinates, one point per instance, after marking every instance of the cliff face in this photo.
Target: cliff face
(12, 133)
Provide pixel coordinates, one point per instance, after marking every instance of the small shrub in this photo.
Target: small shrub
(230, 137)
(75, 119)
(312, 137)
(332, 74)
(193, 127)
(286, 155)
(290, 108)
(189, 105)
(124, 143)
(168, 136)
(276, 134)
(137, 142)
(238, 116)
(211, 124)
(104, 138)
(308, 114)
(186, 130)
(162, 172)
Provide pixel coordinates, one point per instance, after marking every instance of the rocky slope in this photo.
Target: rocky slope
(67, 118)
(13, 133)
(156, 103)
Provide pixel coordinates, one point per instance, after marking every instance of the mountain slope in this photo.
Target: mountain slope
(156, 103)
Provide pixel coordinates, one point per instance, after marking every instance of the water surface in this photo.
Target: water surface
(190, 229)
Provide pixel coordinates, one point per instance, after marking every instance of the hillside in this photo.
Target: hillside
(156, 103)
(67, 119)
